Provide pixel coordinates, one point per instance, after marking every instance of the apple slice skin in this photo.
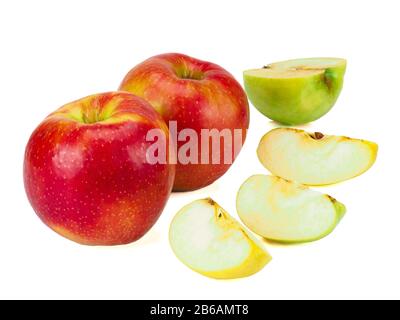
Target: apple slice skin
(296, 100)
(258, 208)
(300, 156)
(255, 257)
(249, 267)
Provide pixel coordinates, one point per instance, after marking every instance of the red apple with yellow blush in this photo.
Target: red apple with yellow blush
(196, 95)
(86, 174)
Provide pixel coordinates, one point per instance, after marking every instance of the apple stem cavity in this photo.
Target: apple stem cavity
(92, 115)
(328, 79)
(186, 73)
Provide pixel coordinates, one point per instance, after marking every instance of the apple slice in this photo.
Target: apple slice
(209, 241)
(286, 211)
(315, 158)
(296, 91)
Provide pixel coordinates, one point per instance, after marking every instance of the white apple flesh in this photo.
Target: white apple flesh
(315, 158)
(209, 241)
(286, 211)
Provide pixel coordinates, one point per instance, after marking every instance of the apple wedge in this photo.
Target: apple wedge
(209, 241)
(286, 211)
(315, 158)
(296, 91)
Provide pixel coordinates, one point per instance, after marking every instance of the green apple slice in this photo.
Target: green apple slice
(286, 211)
(296, 91)
(209, 241)
(315, 158)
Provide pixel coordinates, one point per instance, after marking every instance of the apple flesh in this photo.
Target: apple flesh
(197, 95)
(296, 91)
(315, 158)
(209, 241)
(285, 211)
(86, 174)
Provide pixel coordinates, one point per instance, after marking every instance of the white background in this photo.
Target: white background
(52, 52)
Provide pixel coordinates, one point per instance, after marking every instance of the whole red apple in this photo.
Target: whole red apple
(197, 95)
(86, 174)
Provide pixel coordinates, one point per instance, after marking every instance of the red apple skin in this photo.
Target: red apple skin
(90, 182)
(198, 95)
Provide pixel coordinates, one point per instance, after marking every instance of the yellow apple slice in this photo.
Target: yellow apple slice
(315, 158)
(209, 241)
(286, 211)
